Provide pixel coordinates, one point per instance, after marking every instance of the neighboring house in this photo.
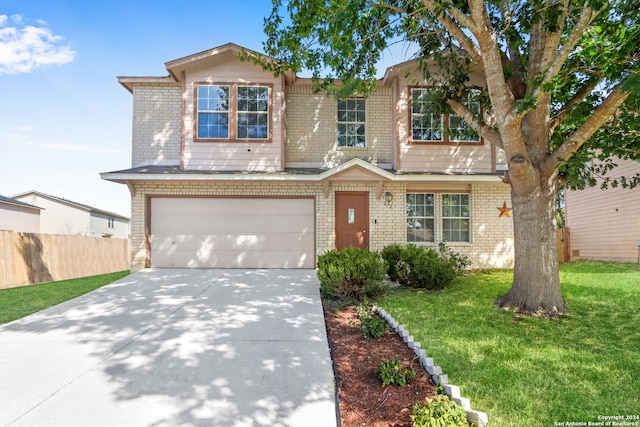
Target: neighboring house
(233, 167)
(605, 224)
(62, 216)
(19, 216)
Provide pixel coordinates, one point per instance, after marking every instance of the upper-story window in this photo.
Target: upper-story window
(429, 126)
(351, 122)
(111, 222)
(253, 112)
(231, 112)
(213, 111)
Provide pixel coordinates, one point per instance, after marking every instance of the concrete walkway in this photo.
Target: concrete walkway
(174, 347)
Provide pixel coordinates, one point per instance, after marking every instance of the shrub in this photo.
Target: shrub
(371, 325)
(422, 267)
(351, 274)
(392, 372)
(391, 254)
(460, 262)
(440, 411)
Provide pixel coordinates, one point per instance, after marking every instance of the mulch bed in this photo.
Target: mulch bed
(364, 401)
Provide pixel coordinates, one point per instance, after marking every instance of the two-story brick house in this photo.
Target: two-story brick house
(233, 167)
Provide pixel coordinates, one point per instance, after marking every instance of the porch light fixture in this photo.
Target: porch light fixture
(388, 198)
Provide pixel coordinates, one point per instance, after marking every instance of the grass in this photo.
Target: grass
(527, 371)
(22, 301)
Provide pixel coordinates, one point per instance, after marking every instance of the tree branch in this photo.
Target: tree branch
(560, 57)
(600, 116)
(502, 99)
(517, 81)
(554, 38)
(487, 132)
(454, 29)
(577, 98)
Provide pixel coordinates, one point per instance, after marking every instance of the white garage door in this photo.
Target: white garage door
(232, 233)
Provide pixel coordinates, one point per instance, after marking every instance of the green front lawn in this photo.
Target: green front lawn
(526, 371)
(22, 301)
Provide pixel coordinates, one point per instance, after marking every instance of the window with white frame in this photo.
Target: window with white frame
(213, 112)
(426, 124)
(253, 112)
(111, 222)
(429, 126)
(455, 217)
(459, 130)
(231, 112)
(351, 122)
(420, 217)
(431, 218)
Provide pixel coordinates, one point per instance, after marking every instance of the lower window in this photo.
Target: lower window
(431, 218)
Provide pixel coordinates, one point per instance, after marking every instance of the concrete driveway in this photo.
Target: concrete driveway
(174, 347)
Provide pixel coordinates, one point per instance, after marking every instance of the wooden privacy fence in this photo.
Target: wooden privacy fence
(28, 258)
(564, 239)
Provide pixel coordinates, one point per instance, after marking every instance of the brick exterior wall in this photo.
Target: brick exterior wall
(491, 246)
(156, 124)
(309, 128)
(311, 136)
(492, 235)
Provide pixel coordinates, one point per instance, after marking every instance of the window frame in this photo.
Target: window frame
(233, 112)
(439, 217)
(351, 122)
(445, 120)
(458, 218)
(427, 218)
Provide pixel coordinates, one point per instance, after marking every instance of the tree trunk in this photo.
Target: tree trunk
(536, 279)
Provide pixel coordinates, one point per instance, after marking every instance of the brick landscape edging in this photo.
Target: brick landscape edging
(473, 416)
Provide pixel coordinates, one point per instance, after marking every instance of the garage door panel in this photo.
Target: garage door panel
(285, 223)
(232, 233)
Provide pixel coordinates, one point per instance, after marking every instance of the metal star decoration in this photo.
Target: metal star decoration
(504, 210)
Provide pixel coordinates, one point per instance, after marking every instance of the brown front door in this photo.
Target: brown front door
(352, 219)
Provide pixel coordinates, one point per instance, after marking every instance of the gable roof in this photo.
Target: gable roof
(206, 58)
(76, 205)
(10, 201)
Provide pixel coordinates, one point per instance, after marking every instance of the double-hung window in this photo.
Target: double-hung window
(429, 126)
(213, 112)
(455, 217)
(420, 217)
(426, 124)
(351, 122)
(232, 112)
(443, 217)
(253, 112)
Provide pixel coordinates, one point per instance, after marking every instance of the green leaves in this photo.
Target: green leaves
(440, 411)
(393, 372)
(340, 43)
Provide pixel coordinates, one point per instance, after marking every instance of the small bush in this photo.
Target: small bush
(422, 267)
(392, 372)
(439, 412)
(351, 274)
(371, 325)
(460, 262)
(391, 254)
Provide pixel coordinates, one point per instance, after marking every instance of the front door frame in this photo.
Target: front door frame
(346, 234)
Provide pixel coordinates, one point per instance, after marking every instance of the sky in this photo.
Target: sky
(64, 118)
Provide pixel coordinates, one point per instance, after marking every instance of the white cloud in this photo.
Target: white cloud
(24, 48)
(80, 148)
